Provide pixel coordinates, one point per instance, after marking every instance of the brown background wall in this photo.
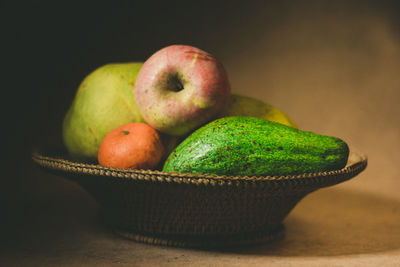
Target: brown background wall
(334, 70)
(333, 66)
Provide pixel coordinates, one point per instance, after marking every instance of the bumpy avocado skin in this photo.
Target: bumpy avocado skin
(248, 146)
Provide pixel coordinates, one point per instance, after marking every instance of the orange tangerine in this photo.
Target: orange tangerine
(131, 146)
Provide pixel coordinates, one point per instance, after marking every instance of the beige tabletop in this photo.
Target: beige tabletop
(334, 73)
(337, 226)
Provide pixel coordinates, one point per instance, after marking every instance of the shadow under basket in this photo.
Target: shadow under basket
(188, 210)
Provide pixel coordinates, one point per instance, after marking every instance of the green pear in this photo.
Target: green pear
(104, 101)
(247, 106)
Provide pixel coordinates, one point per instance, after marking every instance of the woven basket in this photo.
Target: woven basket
(189, 210)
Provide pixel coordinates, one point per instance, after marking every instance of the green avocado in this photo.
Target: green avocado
(248, 146)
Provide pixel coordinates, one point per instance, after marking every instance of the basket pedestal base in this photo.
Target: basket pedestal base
(242, 239)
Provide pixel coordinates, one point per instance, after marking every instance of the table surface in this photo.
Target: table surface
(332, 66)
(59, 224)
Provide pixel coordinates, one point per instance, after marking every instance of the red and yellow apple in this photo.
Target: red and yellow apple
(181, 87)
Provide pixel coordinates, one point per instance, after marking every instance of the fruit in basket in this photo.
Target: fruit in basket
(104, 101)
(249, 146)
(181, 87)
(131, 146)
(170, 143)
(247, 106)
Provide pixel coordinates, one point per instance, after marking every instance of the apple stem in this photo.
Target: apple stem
(125, 132)
(179, 84)
(175, 83)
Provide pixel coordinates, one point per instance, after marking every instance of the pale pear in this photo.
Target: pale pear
(247, 106)
(104, 101)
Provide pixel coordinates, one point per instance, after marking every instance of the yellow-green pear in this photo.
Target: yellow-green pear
(246, 106)
(104, 101)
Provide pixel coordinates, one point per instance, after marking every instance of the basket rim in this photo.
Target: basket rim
(61, 164)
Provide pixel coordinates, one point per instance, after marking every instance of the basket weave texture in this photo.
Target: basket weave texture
(191, 210)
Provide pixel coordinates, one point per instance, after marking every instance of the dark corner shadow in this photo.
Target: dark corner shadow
(48, 214)
(334, 222)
